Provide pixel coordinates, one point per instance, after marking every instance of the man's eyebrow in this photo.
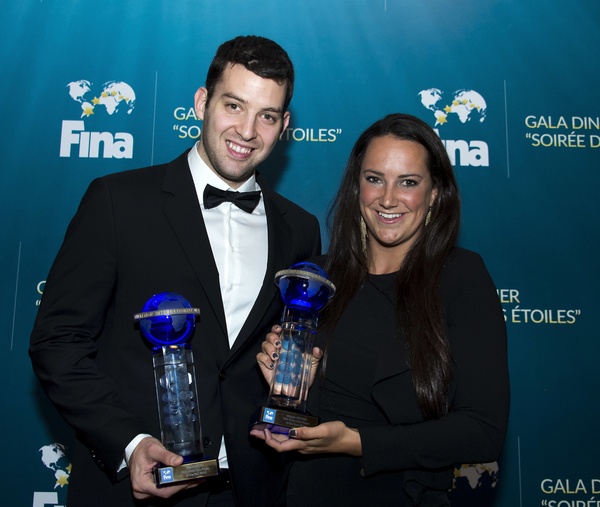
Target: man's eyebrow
(234, 97)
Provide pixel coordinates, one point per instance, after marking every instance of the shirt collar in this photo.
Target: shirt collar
(204, 175)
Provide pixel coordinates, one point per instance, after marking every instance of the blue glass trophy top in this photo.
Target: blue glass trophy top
(167, 319)
(304, 286)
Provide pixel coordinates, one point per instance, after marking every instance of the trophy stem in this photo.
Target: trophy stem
(177, 399)
(293, 366)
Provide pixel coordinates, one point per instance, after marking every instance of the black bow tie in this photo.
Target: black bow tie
(246, 201)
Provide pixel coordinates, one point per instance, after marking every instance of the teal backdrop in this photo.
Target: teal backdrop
(513, 88)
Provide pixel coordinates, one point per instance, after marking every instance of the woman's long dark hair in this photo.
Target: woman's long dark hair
(419, 307)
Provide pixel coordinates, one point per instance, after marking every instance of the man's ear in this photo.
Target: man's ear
(285, 123)
(200, 98)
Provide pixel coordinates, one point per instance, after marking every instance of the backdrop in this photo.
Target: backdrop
(512, 86)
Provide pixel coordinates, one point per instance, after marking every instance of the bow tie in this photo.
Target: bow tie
(246, 201)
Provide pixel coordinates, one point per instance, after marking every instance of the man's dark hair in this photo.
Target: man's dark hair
(259, 55)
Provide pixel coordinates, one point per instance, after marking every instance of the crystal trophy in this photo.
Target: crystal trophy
(167, 321)
(305, 289)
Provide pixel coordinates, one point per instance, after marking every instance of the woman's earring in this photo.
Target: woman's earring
(428, 217)
(363, 235)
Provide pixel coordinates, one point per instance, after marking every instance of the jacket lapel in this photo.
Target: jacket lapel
(181, 207)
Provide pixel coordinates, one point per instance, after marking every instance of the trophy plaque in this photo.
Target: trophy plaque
(305, 289)
(167, 321)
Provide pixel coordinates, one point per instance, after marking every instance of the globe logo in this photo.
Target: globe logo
(113, 97)
(475, 484)
(55, 459)
(465, 105)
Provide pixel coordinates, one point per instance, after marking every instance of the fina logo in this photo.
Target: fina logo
(466, 106)
(53, 458)
(113, 97)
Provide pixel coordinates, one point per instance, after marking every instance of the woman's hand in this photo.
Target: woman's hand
(270, 353)
(329, 437)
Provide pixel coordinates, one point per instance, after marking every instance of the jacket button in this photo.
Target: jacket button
(222, 376)
(206, 441)
(97, 460)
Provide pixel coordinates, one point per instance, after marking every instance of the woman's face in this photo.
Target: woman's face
(396, 191)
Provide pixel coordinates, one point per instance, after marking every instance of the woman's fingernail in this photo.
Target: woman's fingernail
(271, 366)
(292, 433)
(274, 355)
(277, 343)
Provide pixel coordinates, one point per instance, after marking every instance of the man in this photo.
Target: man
(152, 230)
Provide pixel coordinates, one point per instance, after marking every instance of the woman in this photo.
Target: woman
(414, 375)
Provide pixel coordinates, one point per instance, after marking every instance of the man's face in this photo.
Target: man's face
(241, 123)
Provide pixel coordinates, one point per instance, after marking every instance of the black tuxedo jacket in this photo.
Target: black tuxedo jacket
(135, 234)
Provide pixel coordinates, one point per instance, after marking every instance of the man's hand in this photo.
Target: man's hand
(147, 454)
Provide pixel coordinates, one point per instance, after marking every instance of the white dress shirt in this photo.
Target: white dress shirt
(239, 244)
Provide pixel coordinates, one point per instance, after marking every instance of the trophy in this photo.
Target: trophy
(167, 321)
(304, 290)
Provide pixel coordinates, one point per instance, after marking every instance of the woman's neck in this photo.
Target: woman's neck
(385, 261)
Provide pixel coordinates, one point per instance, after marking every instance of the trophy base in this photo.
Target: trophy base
(164, 475)
(281, 421)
